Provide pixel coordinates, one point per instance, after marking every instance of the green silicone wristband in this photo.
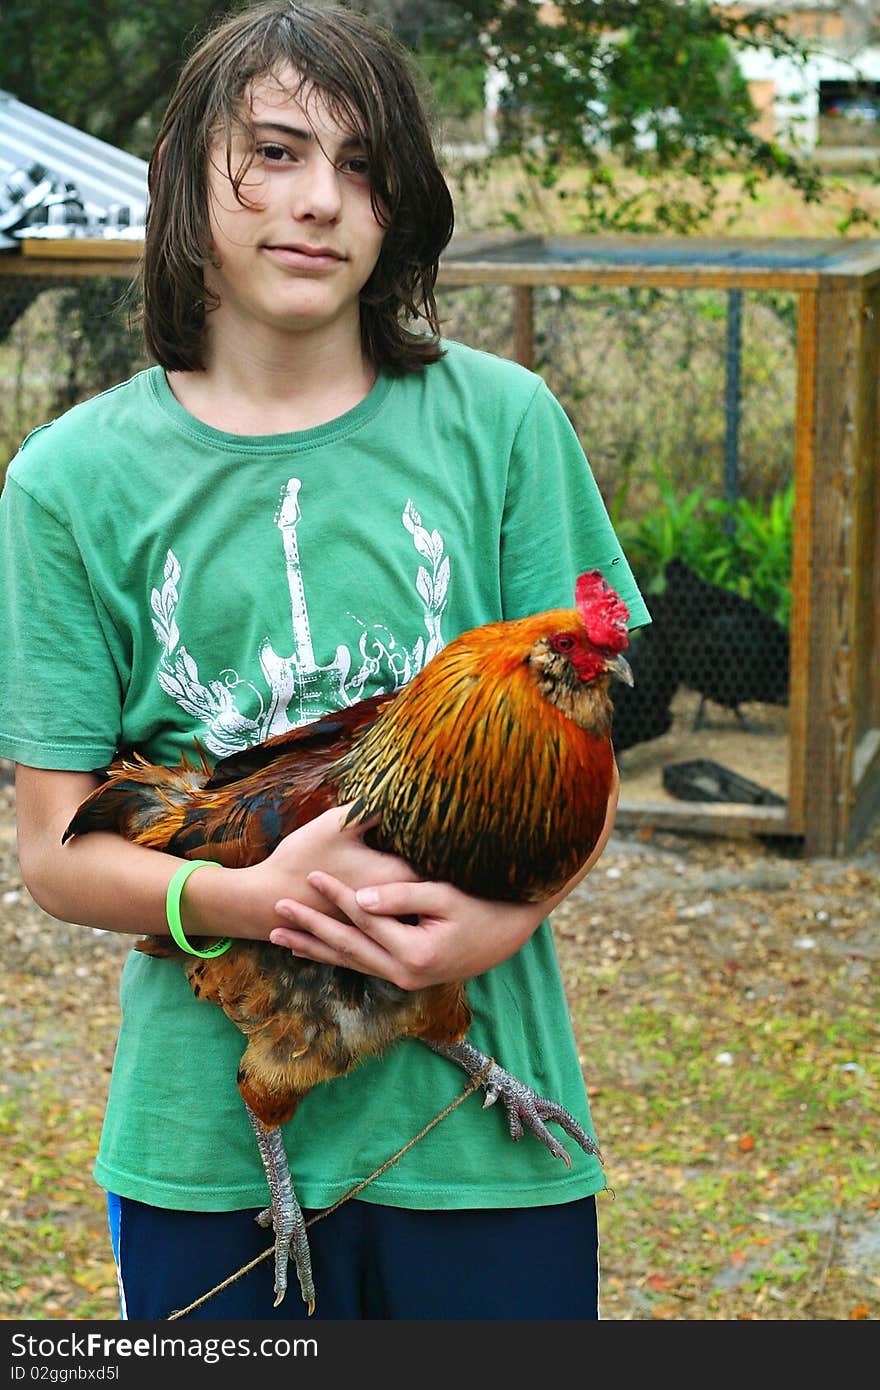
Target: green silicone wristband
(172, 911)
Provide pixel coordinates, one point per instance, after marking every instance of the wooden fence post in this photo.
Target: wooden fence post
(524, 325)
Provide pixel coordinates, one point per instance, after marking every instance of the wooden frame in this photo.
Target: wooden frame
(834, 710)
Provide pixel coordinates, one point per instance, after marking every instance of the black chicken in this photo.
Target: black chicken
(643, 711)
(726, 649)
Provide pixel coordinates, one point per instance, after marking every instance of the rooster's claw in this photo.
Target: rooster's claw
(284, 1215)
(523, 1105)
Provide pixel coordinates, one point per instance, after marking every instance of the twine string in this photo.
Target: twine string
(473, 1084)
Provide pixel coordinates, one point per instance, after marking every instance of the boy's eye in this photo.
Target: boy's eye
(273, 153)
(358, 164)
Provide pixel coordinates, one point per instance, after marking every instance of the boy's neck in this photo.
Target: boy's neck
(276, 387)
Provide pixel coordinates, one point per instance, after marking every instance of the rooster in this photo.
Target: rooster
(491, 769)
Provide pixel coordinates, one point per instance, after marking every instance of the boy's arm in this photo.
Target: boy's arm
(99, 880)
(103, 880)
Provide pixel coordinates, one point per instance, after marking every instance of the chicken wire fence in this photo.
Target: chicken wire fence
(690, 436)
(61, 341)
(689, 424)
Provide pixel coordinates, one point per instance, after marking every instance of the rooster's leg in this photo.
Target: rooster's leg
(284, 1215)
(523, 1105)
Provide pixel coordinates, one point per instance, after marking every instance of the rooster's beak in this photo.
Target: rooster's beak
(620, 667)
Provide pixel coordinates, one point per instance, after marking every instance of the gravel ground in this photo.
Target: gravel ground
(720, 940)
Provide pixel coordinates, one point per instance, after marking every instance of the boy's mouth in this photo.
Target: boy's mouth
(301, 254)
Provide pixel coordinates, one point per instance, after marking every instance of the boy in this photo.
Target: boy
(157, 591)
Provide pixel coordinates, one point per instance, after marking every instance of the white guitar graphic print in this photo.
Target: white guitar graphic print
(301, 690)
(232, 711)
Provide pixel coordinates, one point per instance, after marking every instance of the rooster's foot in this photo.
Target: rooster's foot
(284, 1215)
(523, 1105)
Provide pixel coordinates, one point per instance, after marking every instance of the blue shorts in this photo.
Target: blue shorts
(369, 1261)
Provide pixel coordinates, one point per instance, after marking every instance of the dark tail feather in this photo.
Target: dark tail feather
(144, 803)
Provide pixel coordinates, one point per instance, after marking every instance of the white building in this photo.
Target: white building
(831, 102)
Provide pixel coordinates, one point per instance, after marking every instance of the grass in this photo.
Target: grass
(736, 1097)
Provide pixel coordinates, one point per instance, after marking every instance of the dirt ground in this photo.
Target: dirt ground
(722, 994)
(758, 753)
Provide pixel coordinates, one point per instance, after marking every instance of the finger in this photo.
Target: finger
(313, 919)
(316, 936)
(356, 925)
(384, 929)
(309, 947)
(304, 946)
(412, 899)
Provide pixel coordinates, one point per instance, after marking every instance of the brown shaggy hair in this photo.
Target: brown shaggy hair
(366, 77)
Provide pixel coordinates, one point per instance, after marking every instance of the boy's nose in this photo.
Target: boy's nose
(317, 193)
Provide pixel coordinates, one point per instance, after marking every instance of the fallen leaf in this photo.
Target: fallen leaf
(660, 1283)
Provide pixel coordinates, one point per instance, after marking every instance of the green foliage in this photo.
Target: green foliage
(676, 526)
(744, 546)
(701, 69)
(457, 84)
(753, 555)
(106, 69)
(651, 87)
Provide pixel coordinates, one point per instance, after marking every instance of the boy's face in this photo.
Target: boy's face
(295, 255)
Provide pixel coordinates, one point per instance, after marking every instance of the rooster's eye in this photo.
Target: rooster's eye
(562, 643)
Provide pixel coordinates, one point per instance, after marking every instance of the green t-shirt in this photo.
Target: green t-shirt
(164, 580)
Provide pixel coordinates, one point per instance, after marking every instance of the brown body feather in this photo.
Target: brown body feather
(480, 780)
(491, 769)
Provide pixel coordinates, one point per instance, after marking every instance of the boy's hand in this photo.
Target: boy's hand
(287, 872)
(447, 936)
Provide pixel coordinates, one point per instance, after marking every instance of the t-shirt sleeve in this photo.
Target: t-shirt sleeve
(556, 524)
(60, 698)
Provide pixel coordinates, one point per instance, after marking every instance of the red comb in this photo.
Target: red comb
(604, 612)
